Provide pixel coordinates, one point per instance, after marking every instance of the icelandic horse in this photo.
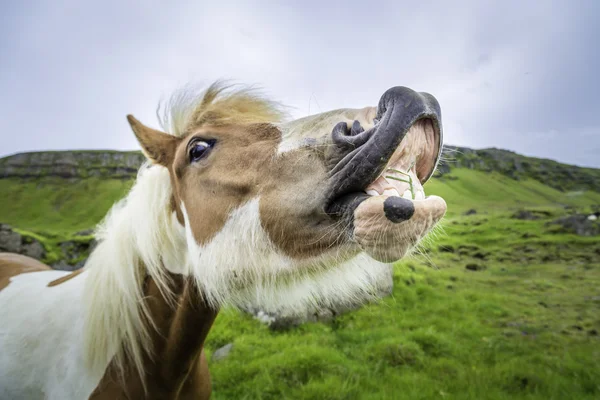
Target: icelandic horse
(235, 206)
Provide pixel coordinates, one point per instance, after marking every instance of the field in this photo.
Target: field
(493, 308)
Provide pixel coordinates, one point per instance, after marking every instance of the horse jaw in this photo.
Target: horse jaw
(233, 271)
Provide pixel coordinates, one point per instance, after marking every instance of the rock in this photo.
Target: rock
(85, 232)
(222, 352)
(74, 250)
(14, 242)
(525, 215)
(475, 267)
(528, 235)
(472, 211)
(33, 250)
(578, 224)
(283, 322)
(10, 241)
(279, 320)
(515, 166)
(63, 266)
(72, 164)
(531, 214)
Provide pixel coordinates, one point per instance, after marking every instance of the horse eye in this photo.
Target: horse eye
(199, 150)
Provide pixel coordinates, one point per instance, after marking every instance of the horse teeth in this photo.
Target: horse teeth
(391, 192)
(372, 192)
(407, 194)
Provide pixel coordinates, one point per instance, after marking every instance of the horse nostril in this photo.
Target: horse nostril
(352, 137)
(341, 134)
(356, 128)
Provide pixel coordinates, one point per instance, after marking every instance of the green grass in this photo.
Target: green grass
(492, 191)
(521, 328)
(58, 206)
(524, 325)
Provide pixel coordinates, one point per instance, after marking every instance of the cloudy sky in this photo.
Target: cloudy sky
(516, 75)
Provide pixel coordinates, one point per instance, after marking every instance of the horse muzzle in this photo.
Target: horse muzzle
(377, 186)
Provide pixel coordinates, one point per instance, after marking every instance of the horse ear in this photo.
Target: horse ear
(158, 146)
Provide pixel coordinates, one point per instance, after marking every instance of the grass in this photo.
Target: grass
(465, 189)
(56, 206)
(519, 328)
(521, 322)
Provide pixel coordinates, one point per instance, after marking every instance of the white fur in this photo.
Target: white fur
(41, 339)
(242, 267)
(56, 342)
(139, 232)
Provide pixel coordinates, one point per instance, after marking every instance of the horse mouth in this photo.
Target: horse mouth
(410, 165)
(385, 202)
(401, 175)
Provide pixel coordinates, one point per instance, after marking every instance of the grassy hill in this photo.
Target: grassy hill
(495, 308)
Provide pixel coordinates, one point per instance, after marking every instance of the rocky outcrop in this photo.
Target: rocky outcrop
(72, 254)
(579, 224)
(13, 242)
(554, 174)
(72, 164)
(124, 165)
(75, 253)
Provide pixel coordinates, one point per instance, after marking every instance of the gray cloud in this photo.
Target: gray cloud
(513, 75)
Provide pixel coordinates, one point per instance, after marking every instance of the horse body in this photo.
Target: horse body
(52, 367)
(234, 208)
(41, 334)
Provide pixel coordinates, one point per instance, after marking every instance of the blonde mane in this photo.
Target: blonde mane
(141, 237)
(220, 104)
(137, 238)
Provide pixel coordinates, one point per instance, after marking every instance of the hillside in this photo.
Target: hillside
(68, 191)
(503, 304)
(557, 175)
(107, 164)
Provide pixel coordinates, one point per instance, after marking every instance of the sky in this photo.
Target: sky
(516, 75)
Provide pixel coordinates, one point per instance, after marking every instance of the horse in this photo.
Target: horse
(236, 205)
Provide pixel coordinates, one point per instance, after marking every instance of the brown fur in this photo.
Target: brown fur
(65, 278)
(16, 264)
(227, 178)
(243, 164)
(178, 369)
(157, 146)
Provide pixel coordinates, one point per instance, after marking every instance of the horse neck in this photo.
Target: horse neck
(177, 344)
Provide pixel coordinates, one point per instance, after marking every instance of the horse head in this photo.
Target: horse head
(283, 212)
